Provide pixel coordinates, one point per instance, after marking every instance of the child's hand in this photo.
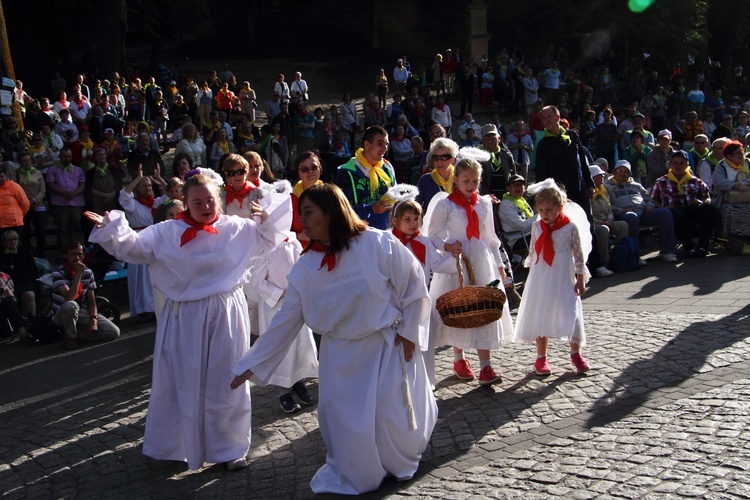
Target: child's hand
(454, 248)
(501, 270)
(240, 379)
(258, 211)
(408, 347)
(580, 286)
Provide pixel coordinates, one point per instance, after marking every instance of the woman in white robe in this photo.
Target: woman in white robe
(365, 293)
(203, 329)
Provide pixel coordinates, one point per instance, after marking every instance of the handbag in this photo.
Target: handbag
(738, 197)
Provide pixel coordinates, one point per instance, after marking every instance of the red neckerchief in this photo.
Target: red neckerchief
(328, 259)
(544, 244)
(72, 273)
(147, 202)
(195, 226)
(417, 247)
(80, 103)
(472, 229)
(239, 195)
(441, 108)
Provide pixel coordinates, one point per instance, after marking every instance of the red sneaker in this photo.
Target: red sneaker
(580, 363)
(541, 367)
(488, 376)
(463, 370)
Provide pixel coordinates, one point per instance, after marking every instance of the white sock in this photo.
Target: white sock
(540, 356)
(483, 363)
(573, 353)
(458, 356)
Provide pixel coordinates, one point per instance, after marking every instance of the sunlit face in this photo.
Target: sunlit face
(738, 158)
(144, 188)
(550, 119)
(182, 167)
(548, 211)
(202, 204)
(621, 175)
(598, 179)
(679, 166)
(517, 189)
(491, 142)
(254, 170)
(309, 171)
(467, 182)
(442, 159)
(377, 148)
(175, 192)
(408, 223)
(236, 175)
(74, 255)
(700, 145)
(314, 222)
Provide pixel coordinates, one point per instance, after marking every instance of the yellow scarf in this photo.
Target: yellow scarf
(32, 150)
(224, 146)
(445, 185)
(680, 182)
(376, 172)
(601, 192)
(741, 169)
(298, 188)
(88, 144)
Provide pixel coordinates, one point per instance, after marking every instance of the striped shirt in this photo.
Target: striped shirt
(60, 277)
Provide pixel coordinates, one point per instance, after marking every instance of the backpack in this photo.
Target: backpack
(625, 255)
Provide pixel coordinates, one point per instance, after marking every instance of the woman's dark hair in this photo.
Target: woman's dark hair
(304, 156)
(177, 159)
(732, 147)
(343, 222)
(267, 174)
(636, 133)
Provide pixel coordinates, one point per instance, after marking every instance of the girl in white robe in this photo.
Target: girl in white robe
(449, 229)
(193, 416)
(364, 292)
(406, 220)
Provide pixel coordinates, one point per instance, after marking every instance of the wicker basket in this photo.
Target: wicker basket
(470, 306)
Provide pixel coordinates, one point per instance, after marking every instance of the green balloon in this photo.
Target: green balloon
(639, 6)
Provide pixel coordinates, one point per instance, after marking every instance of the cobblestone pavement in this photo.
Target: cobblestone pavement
(663, 412)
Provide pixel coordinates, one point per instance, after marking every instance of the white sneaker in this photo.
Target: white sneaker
(669, 257)
(603, 272)
(642, 262)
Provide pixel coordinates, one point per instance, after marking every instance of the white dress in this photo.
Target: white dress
(550, 307)
(356, 308)
(203, 331)
(448, 224)
(269, 280)
(434, 262)
(140, 291)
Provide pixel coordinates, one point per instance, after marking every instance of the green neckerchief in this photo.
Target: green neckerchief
(166, 201)
(264, 144)
(102, 170)
(8, 250)
(521, 203)
(69, 168)
(27, 174)
(565, 138)
(701, 156)
(712, 159)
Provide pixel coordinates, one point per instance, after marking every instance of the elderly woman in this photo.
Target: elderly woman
(605, 224)
(731, 188)
(192, 145)
(400, 151)
(31, 181)
(222, 146)
(443, 154)
(308, 167)
(181, 165)
(371, 349)
(13, 201)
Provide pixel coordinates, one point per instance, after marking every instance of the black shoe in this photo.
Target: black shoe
(302, 393)
(288, 404)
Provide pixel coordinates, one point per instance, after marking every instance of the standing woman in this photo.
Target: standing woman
(193, 416)
(350, 117)
(247, 101)
(192, 145)
(308, 167)
(381, 88)
(222, 146)
(13, 201)
(371, 357)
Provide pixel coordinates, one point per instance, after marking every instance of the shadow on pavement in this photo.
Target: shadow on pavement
(677, 361)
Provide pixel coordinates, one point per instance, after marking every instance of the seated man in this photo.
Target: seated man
(19, 264)
(516, 215)
(74, 301)
(9, 311)
(630, 202)
(687, 197)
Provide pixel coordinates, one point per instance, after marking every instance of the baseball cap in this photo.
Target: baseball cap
(682, 153)
(516, 178)
(489, 129)
(665, 132)
(601, 162)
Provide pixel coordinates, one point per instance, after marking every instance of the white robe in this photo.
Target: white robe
(434, 262)
(363, 418)
(203, 331)
(140, 291)
(448, 223)
(268, 278)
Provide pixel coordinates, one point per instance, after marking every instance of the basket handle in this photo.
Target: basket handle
(469, 270)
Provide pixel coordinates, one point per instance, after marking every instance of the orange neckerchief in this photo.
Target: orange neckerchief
(72, 273)
(238, 195)
(472, 229)
(544, 244)
(195, 226)
(417, 247)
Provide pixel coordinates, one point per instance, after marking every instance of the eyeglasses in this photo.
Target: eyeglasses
(239, 171)
(306, 169)
(442, 157)
(436, 134)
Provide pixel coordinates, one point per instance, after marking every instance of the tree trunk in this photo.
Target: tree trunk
(6, 62)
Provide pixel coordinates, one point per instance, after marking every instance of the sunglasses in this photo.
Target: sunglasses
(239, 171)
(305, 170)
(442, 157)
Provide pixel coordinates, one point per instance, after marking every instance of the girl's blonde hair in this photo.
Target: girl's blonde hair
(465, 164)
(550, 195)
